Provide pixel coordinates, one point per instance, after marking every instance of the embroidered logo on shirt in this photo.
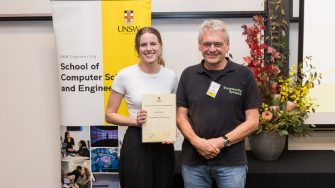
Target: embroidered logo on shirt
(233, 90)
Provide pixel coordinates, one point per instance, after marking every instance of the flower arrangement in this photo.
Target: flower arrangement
(285, 100)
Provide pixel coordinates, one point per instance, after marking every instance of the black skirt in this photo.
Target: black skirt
(145, 165)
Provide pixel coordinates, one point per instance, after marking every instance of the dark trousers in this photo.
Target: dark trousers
(145, 165)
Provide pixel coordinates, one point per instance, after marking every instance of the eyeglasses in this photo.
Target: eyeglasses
(209, 44)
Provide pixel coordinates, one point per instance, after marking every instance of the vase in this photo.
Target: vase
(267, 146)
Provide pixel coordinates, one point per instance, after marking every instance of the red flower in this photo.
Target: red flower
(274, 87)
(264, 60)
(247, 59)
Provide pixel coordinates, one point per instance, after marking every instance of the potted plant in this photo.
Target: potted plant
(285, 100)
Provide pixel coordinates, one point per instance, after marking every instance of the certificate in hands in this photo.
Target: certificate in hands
(160, 125)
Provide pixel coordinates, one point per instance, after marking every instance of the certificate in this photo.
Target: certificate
(160, 125)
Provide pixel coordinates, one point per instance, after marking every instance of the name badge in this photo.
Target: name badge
(213, 89)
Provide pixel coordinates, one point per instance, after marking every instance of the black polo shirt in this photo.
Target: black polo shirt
(215, 117)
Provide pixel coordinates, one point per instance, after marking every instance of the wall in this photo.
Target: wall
(43, 6)
(29, 106)
(180, 40)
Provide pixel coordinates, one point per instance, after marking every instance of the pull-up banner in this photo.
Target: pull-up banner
(95, 39)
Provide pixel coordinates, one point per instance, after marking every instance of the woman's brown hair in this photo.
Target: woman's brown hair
(87, 173)
(153, 31)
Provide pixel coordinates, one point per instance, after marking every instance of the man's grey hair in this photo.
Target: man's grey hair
(213, 25)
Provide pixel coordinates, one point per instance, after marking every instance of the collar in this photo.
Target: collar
(230, 67)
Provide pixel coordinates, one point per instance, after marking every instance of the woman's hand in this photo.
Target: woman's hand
(168, 142)
(141, 117)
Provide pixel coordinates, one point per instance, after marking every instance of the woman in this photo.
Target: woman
(69, 142)
(142, 165)
(83, 151)
(84, 180)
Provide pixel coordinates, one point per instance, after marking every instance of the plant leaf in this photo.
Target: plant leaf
(284, 132)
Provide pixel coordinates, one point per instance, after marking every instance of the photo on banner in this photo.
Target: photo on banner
(104, 136)
(75, 154)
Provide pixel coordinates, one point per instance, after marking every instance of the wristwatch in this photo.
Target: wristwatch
(226, 141)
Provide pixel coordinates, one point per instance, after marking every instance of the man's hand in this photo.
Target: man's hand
(205, 148)
(217, 142)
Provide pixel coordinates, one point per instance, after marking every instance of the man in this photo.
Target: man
(76, 173)
(217, 108)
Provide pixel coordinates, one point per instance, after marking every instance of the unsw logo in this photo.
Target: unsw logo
(128, 28)
(128, 17)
